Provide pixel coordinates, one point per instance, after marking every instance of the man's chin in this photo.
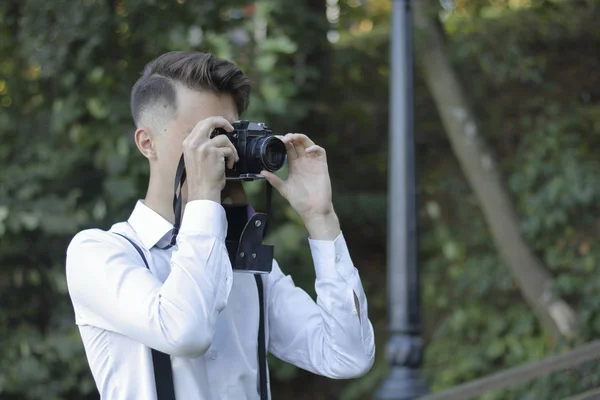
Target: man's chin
(234, 193)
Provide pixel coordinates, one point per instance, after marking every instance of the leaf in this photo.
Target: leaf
(97, 108)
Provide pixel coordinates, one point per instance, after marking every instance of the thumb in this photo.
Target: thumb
(274, 180)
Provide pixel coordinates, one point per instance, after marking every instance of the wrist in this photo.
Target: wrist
(323, 226)
(205, 194)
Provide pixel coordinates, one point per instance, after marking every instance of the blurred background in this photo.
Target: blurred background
(529, 71)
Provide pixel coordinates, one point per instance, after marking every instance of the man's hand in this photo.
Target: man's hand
(308, 187)
(205, 159)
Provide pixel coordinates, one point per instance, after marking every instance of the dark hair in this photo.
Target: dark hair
(195, 70)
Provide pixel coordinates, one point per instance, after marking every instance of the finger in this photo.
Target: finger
(223, 141)
(298, 145)
(211, 123)
(302, 140)
(276, 181)
(204, 129)
(290, 148)
(315, 150)
(228, 156)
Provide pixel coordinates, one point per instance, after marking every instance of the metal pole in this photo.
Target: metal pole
(404, 348)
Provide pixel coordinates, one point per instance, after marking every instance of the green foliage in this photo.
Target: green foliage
(542, 123)
(68, 159)
(67, 162)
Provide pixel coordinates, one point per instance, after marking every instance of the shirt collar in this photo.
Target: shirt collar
(148, 225)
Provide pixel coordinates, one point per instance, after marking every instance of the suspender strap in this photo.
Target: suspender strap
(262, 351)
(163, 374)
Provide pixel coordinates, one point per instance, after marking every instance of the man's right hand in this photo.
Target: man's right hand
(205, 159)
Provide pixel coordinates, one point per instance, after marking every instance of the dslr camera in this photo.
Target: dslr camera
(257, 148)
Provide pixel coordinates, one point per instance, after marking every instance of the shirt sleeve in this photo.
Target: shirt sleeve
(326, 337)
(113, 290)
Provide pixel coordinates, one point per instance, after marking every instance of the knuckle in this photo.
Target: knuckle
(188, 146)
(217, 119)
(202, 125)
(189, 139)
(204, 149)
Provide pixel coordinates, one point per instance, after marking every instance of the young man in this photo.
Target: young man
(189, 303)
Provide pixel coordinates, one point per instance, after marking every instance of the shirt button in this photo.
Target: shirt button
(355, 313)
(213, 355)
(338, 258)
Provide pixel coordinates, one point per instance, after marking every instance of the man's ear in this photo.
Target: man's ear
(145, 143)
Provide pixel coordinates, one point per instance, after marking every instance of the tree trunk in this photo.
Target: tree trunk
(315, 52)
(479, 166)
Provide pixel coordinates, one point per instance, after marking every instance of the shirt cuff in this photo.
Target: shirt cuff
(332, 258)
(205, 217)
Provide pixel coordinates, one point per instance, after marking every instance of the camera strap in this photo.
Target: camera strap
(180, 176)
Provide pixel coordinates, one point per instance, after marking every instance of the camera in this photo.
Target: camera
(257, 148)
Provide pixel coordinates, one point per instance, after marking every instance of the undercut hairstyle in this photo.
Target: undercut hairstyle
(154, 96)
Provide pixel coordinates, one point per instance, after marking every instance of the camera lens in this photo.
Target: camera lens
(273, 154)
(268, 152)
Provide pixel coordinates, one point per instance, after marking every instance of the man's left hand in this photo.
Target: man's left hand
(308, 187)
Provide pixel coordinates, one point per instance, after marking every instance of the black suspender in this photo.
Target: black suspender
(262, 351)
(163, 374)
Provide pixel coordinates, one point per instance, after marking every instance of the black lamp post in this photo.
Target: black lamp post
(404, 349)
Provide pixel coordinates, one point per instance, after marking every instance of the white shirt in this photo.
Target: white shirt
(192, 306)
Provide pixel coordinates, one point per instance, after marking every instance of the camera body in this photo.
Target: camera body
(257, 148)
